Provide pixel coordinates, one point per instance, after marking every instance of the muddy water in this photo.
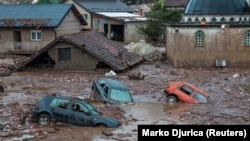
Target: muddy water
(231, 105)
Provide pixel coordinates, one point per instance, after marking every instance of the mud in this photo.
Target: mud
(230, 101)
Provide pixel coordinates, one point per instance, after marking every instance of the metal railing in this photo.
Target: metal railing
(23, 46)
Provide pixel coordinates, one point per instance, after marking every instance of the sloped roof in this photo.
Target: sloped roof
(212, 7)
(104, 5)
(27, 15)
(176, 3)
(99, 46)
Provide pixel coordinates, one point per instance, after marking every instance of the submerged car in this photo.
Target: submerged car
(110, 91)
(185, 92)
(70, 111)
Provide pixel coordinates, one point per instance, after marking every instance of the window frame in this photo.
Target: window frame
(64, 54)
(199, 38)
(247, 38)
(36, 32)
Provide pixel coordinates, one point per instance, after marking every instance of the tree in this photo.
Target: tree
(155, 19)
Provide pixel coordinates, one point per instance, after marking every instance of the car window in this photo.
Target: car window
(78, 107)
(92, 108)
(62, 103)
(187, 90)
(101, 83)
(199, 97)
(120, 95)
(53, 102)
(106, 90)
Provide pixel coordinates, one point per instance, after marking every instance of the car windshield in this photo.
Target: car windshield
(93, 109)
(120, 95)
(199, 97)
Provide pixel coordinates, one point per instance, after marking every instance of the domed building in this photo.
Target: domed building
(212, 33)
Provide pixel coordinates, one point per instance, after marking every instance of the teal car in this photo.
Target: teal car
(70, 111)
(110, 91)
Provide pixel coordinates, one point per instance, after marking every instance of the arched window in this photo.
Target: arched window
(247, 38)
(199, 38)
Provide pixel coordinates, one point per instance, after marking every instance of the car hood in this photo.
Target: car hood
(109, 121)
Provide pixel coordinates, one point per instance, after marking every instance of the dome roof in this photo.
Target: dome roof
(212, 7)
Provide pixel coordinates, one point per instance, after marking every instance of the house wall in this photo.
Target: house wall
(7, 35)
(220, 43)
(82, 11)
(7, 39)
(80, 60)
(132, 33)
(69, 25)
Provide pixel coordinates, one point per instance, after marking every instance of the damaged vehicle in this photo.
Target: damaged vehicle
(70, 111)
(185, 92)
(110, 91)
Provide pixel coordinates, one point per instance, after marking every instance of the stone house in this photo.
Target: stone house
(84, 51)
(212, 34)
(87, 7)
(26, 28)
(112, 18)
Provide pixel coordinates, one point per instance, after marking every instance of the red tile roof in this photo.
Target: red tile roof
(176, 3)
(99, 46)
(104, 49)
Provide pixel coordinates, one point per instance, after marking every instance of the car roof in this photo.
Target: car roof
(113, 83)
(52, 97)
(179, 83)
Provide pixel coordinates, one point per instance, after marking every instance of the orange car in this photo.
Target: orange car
(185, 92)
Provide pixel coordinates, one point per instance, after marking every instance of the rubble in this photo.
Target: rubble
(10, 63)
(230, 100)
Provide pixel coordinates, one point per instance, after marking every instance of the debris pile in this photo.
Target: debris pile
(145, 50)
(10, 63)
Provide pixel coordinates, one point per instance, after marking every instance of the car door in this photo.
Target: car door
(186, 94)
(61, 110)
(80, 116)
(100, 90)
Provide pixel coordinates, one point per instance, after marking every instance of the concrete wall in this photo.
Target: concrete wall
(132, 33)
(82, 11)
(69, 25)
(80, 60)
(7, 35)
(220, 43)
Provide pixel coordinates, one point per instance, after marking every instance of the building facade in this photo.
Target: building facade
(216, 36)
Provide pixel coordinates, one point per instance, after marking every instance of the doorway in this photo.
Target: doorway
(17, 40)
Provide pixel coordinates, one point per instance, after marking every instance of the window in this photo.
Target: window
(64, 54)
(60, 103)
(199, 38)
(85, 16)
(36, 35)
(247, 38)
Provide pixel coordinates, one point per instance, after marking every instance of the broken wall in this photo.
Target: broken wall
(80, 60)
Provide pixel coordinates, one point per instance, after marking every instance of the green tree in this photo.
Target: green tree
(156, 17)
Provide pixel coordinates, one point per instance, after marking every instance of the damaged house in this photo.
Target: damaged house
(212, 33)
(26, 28)
(84, 51)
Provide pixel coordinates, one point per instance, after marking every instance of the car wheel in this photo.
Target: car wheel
(102, 125)
(44, 119)
(171, 99)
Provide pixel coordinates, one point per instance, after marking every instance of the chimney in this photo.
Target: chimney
(141, 12)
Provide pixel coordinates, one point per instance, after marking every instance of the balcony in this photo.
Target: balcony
(22, 47)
